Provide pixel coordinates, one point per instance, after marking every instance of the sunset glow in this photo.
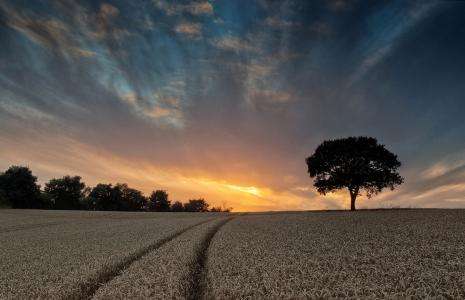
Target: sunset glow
(224, 100)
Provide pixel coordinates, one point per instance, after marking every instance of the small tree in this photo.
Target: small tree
(196, 205)
(355, 163)
(177, 206)
(159, 201)
(19, 188)
(65, 193)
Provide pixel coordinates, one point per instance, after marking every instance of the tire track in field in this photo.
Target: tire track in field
(198, 273)
(86, 290)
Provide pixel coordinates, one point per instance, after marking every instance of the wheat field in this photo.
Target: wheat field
(118, 255)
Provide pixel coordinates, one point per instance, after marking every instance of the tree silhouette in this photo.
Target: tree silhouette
(19, 189)
(118, 197)
(158, 201)
(196, 205)
(65, 193)
(177, 206)
(355, 163)
(131, 199)
(105, 197)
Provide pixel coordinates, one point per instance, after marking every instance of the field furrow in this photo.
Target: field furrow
(175, 270)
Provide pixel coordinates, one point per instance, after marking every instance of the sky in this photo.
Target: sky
(225, 99)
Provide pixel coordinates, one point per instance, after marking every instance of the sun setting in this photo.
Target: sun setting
(232, 149)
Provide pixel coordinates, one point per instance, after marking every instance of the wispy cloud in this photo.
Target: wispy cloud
(104, 24)
(194, 8)
(268, 100)
(50, 33)
(381, 45)
(192, 30)
(236, 44)
(280, 23)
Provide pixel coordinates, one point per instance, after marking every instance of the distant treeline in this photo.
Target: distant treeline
(19, 189)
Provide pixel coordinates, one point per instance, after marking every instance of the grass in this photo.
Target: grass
(107, 255)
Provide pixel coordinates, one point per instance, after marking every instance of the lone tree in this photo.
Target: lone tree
(355, 163)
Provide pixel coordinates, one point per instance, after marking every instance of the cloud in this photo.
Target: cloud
(167, 109)
(231, 43)
(278, 22)
(190, 29)
(26, 113)
(194, 8)
(104, 24)
(379, 47)
(50, 33)
(445, 166)
(200, 8)
(108, 11)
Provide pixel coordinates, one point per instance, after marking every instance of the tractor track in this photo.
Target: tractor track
(88, 289)
(198, 273)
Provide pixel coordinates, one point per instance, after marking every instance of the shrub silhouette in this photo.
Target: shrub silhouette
(19, 188)
(355, 163)
(220, 209)
(65, 193)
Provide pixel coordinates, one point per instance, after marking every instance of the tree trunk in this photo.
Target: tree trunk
(353, 196)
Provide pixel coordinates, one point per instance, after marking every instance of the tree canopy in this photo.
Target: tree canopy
(356, 163)
(158, 201)
(65, 193)
(196, 205)
(19, 188)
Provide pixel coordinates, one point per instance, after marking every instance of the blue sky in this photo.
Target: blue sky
(225, 99)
